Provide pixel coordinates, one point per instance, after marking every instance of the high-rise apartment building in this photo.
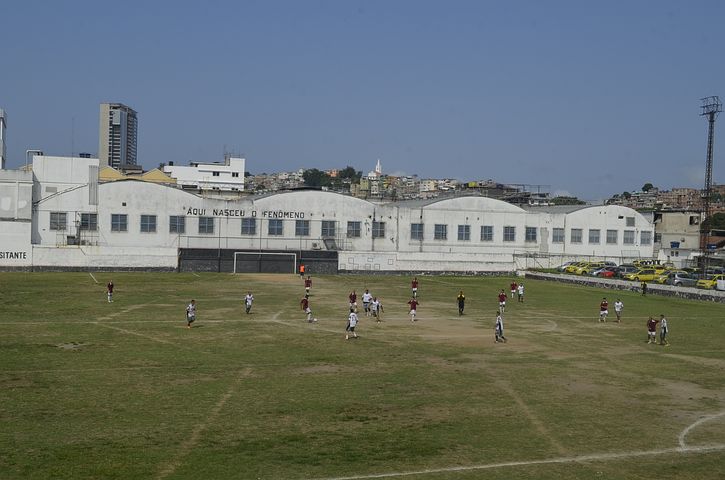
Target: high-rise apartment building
(3, 122)
(118, 133)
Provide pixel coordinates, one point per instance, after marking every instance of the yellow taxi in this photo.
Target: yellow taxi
(643, 275)
(574, 266)
(710, 281)
(588, 268)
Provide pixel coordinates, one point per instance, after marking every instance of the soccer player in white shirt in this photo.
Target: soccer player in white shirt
(351, 323)
(618, 306)
(367, 298)
(664, 330)
(498, 330)
(248, 302)
(521, 292)
(377, 309)
(190, 313)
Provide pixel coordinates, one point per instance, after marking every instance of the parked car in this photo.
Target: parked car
(710, 281)
(562, 267)
(662, 278)
(572, 268)
(588, 268)
(681, 279)
(605, 272)
(623, 270)
(644, 275)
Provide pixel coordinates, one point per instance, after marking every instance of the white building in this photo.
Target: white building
(135, 224)
(227, 176)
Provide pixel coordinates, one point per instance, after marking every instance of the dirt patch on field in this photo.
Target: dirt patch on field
(317, 370)
(71, 346)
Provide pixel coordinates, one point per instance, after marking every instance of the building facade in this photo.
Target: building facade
(78, 222)
(227, 176)
(117, 135)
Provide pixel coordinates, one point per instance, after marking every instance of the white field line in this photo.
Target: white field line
(196, 274)
(707, 418)
(94, 278)
(188, 445)
(546, 461)
(130, 332)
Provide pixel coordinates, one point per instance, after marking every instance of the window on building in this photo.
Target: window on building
(628, 237)
(302, 228)
(557, 235)
(658, 238)
(611, 237)
(274, 227)
(235, 174)
(206, 225)
(148, 223)
(646, 238)
(119, 222)
(89, 221)
(249, 226)
(58, 221)
(416, 231)
(509, 234)
(464, 232)
(440, 231)
(215, 174)
(177, 224)
(694, 220)
(594, 236)
(378, 229)
(630, 221)
(353, 229)
(576, 235)
(531, 234)
(328, 228)
(487, 233)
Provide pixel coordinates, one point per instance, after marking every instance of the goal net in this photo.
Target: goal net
(265, 262)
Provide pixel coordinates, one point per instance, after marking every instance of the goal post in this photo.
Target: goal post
(265, 262)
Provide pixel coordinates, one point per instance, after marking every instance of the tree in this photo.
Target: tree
(350, 172)
(647, 187)
(626, 194)
(316, 178)
(715, 222)
(566, 201)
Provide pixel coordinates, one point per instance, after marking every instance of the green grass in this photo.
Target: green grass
(123, 390)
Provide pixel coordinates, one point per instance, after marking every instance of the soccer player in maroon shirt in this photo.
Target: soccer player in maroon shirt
(414, 287)
(308, 284)
(502, 301)
(305, 305)
(514, 287)
(413, 307)
(353, 300)
(603, 310)
(652, 330)
(109, 291)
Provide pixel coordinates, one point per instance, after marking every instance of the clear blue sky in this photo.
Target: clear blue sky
(591, 98)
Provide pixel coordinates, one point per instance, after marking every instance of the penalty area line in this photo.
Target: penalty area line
(547, 461)
(94, 278)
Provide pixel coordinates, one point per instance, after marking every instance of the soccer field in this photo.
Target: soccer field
(93, 390)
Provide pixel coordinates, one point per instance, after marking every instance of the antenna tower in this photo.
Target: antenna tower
(711, 106)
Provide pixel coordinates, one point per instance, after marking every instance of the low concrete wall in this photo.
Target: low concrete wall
(402, 262)
(652, 288)
(46, 258)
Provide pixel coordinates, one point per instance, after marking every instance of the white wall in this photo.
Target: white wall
(203, 174)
